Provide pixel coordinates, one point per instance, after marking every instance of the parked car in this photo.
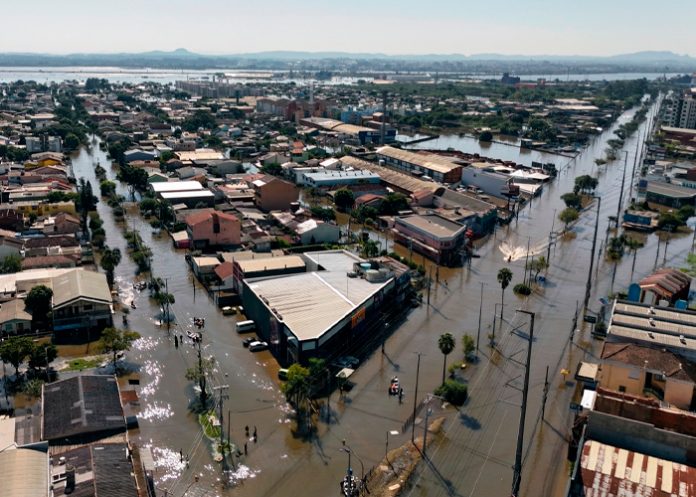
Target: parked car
(248, 341)
(347, 361)
(228, 311)
(258, 346)
(283, 374)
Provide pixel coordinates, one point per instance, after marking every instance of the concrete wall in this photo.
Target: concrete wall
(641, 437)
(679, 393)
(614, 376)
(491, 184)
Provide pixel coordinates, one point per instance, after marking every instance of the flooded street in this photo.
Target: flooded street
(478, 451)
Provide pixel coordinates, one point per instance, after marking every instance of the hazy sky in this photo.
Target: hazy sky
(585, 27)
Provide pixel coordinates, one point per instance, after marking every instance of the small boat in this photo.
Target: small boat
(394, 386)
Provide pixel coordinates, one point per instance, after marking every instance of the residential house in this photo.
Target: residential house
(137, 154)
(213, 228)
(81, 303)
(61, 224)
(11, 219)
(82, 409)
(14, 319)
(99, 469)
(48, 261)
(10, 245)
(666, 284)
(25, 472)
(272, 194)
(649, 371)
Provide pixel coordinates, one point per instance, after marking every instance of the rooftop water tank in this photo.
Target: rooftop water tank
(372, 275)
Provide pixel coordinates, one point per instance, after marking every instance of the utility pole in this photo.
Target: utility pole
(428, 412)
(623, 181)
(166, 292)
(588, 286)
(526, 261)
(223, 395)
(517, 474)
(546, 394)
(635, 163)
(430, 282)
(551, 237)
(478, 332)
(415, 399)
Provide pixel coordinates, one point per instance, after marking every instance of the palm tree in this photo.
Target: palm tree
(110, 259)
(634, 245)
(504, 278)
(446, 344)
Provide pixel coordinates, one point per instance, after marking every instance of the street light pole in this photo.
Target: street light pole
(588, 286)
(621, 191)
(415, 399)
(478, 333)
(517, 473)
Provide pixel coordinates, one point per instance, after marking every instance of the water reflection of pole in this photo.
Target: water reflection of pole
(664, 259)
(635, 162)
(657, 254)
(548, 249)
(588, 286)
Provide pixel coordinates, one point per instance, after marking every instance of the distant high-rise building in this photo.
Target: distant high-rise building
(680, 112)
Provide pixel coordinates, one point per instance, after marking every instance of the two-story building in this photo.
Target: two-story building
(81, 304)
(434, 236)
(274, 194)
(210, 228)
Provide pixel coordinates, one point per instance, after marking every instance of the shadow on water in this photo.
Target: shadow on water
(470, 422)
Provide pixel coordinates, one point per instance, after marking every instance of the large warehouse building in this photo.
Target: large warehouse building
(327, 310)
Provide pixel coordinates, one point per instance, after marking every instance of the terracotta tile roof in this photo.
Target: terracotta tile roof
(224, 270)
(662, 360)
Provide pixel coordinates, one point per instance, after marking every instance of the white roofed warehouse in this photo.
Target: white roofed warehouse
(338, 306)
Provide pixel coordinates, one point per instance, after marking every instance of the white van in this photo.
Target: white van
(245, 326)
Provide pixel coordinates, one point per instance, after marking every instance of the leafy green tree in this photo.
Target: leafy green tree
(39, 303)
(71, 141)
(11, 264)
(111, 257)
(504, 278)
(485, 136)
(370, 249)
(15, 350)
(393, 203)
(453, 392)
(538, 265)
(296, 388)
(585, 184)
(114, 340)
(344, 199)
(572, 199)
(107, 188)
(42, 355)
(199, 119)
(199, 373)
(669, 221)
(567, 216)
(468, 345)
(446, 344)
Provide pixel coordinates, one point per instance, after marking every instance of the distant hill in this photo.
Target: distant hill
(184, 59)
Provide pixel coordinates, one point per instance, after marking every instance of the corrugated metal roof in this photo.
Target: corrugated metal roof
(80, 284)
(176, 186)
(24, 472)
(609, 471)
(433, 162)
(311, 303)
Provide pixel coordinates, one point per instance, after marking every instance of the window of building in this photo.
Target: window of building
(622, 389)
